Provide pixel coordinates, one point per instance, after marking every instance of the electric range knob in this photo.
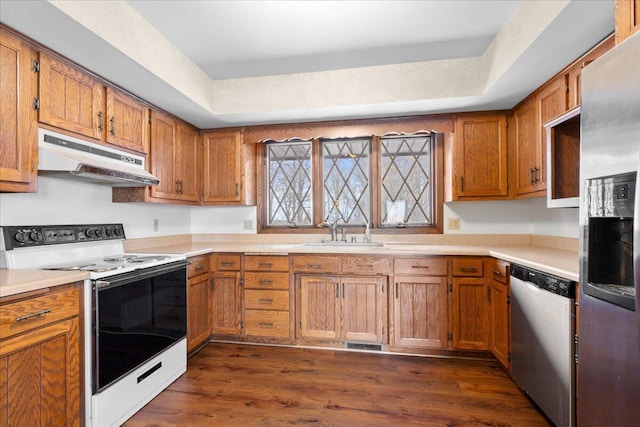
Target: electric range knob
(21, 237)
(91, 232)
(99, 232)
(117, 231)
(35, 236)
(109, 232)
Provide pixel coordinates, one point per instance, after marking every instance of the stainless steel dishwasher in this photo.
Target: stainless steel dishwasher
(542, 341)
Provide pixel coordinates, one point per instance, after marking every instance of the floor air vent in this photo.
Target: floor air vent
(361, 346)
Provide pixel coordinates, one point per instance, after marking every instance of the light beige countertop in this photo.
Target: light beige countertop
(18, 281)
(560, 262)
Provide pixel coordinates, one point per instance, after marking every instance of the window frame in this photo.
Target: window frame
(437, 178)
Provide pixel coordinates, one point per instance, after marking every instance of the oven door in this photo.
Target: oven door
(136, 316)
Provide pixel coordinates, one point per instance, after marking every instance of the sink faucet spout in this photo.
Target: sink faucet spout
(333, 228)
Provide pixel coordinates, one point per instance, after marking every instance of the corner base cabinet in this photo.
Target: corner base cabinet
(40, 363)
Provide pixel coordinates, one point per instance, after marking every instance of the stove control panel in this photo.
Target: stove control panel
(39, 235)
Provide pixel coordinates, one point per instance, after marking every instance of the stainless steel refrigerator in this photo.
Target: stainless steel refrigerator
(608, 369)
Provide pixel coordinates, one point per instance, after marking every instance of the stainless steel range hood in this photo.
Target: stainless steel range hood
(67, 157)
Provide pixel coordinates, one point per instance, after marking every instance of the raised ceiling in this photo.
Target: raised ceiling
(227, 63)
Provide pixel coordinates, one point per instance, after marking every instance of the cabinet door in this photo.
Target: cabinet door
(225, 299)
(70, 99)
(222, 171)
(18, 129)
(528, 148)
(128, 122)
(500, 342)
(186, 163)
(363, 308)
(627, 19)
(40, 377)
(470, 313)
(199, 311)
(480, 156)
(420, 312)
(319, 314)
(163, 136)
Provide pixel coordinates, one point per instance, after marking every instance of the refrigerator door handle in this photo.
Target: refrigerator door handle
(636, 246)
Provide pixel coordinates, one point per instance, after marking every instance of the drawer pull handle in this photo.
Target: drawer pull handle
(265, 301)
(468, 269)
(227, 263)
(265, 264)
(199, 267)
(426, 267)
(364, 265)
(32, 315)
(265, 325)
(314, 266)
(496, 272)
(265, 282)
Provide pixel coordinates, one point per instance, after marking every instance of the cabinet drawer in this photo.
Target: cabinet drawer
(266, 323)
(266, 263)
(228, 263)
(199, 265)
(25, 315)
(469, 267)
(316, 264)
(423, 266)
(366, 265)
(499, 270)
(261, 280)
(266, 300)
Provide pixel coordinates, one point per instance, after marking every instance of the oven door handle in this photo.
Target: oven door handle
(137, 275)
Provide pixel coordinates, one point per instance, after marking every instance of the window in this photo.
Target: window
(388, 182)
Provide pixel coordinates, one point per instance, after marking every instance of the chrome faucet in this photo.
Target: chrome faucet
(333, 227)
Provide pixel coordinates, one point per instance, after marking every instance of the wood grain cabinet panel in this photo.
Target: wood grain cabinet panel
(364, 308)
(229, 173)
(18, 127)
(226, 303)
(500, 344)
(471, 267)
(315, 264)
(266, 263)
(266, 280)
(198, 301)
(268, 324)
(40, 365)
(366, 265)
(627, 19)
(127, 122)
(420, 266)
(420, 312)
(163, 136)
(228, 262)
(259, 299)
(528, 150)
(470, 313)
(70, 99)
(480, 156)
(319, 308)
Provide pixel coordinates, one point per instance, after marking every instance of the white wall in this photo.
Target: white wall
(60, 201)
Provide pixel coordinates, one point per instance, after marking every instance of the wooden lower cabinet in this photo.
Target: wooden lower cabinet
(199, 302)
(40, 363)
(226, 303)
(500, 343)
(470, 313)
(419, 312)
(348, 308)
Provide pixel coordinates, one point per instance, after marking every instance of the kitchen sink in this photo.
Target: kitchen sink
(341, 244)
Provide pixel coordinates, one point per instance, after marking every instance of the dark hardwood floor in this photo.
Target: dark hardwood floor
(245, 385)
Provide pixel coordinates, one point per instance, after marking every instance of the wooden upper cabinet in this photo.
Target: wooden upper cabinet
(127, 122)
(163, 137)
(228, 169)
(18, 128)
(70, 99)
(527, 148)
(480, 156)
(574, 73)
(627, 18)
(174, 159)
(552, 99)
(187, 163)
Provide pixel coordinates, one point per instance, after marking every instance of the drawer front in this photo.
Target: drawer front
(366, 265)
(420, 266)
(22, 316)
(499, 270)
(199, 265)
(266, 263)
(468, 267)
(266, 323)
(316, 264)
(266, 300)
(228, 263)
(259, 280)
